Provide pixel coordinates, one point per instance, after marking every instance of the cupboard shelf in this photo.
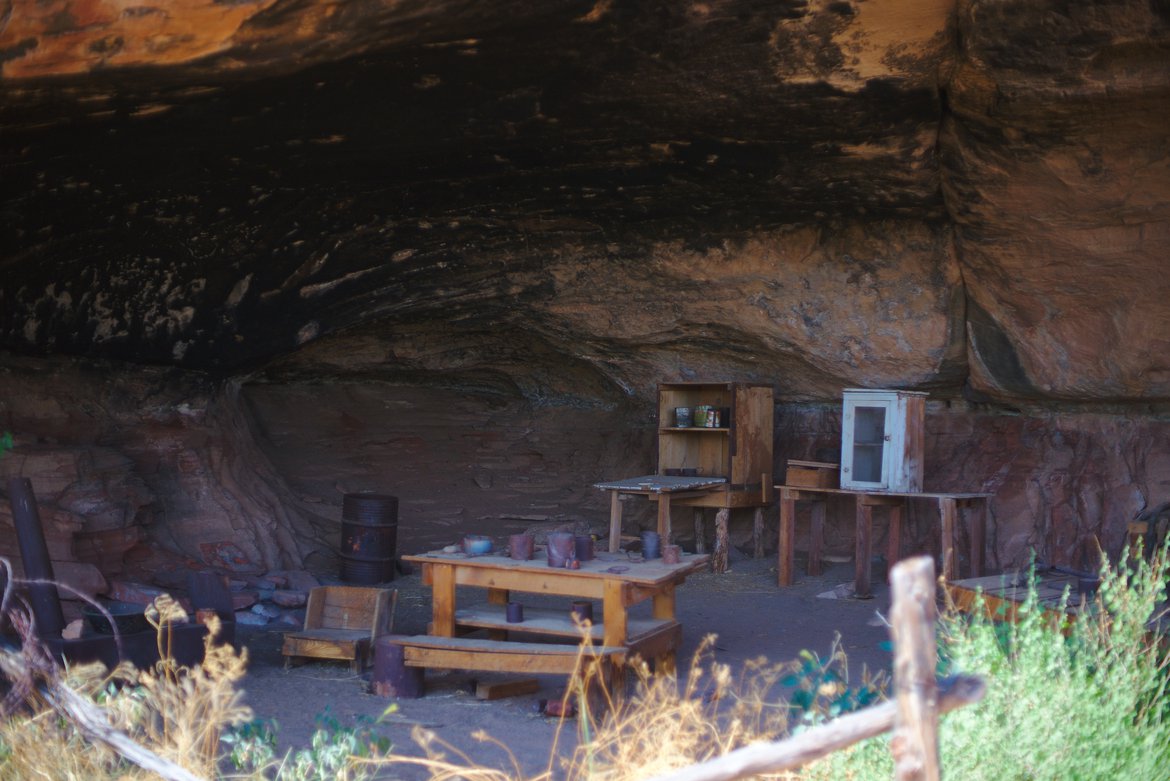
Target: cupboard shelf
(740, 450)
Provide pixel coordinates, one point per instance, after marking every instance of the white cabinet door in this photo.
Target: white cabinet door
(867, 432)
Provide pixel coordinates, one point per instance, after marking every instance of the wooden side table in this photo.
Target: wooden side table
(950, 507)
(660, 487)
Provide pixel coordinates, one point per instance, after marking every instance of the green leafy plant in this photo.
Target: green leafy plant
(336, 752)
(822, 690)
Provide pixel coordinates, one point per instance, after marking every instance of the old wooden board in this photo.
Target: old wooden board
(541, 578)
(497, 690)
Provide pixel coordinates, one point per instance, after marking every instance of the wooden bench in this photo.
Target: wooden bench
(465, 653)
(653, 639)
(342, 622)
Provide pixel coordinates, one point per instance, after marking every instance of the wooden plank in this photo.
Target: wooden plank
(785, 546)
(664, 601)
(700, 530)
(504, 647)
(664, 518)
(651, 573)
(978, 531)
(863, 551)
(314, 607)
(614, 615)
(335, 635)
(908, 494)
(914, 441)
(511, 662)
(615, 521)
(324, 647)
(498, 656)
(816, 538)
(443, 600)
(498, 690)
(549, 581)
(550, 622)
(758, 533)
(946, 510)
(878, 500)
(659, 646)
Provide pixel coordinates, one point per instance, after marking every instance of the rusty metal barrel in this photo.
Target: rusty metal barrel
(369, 537)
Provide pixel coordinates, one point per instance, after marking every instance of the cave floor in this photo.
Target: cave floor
(743, 607)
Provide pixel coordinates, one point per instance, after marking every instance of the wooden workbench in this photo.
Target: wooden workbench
(618, 580)
(950, 507)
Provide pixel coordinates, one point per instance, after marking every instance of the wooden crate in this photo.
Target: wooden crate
(812, 474)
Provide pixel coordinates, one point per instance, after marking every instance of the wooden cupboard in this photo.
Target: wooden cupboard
(739, 449)
(882, 440)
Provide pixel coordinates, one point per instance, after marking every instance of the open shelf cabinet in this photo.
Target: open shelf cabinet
(739, 449)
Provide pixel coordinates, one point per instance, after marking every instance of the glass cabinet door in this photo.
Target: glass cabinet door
(869, 444)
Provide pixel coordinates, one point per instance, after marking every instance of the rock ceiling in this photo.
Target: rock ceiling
(571, 201)
(881, 192)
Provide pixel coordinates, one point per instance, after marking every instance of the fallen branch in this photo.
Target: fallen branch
(91, 720)
(821, 740)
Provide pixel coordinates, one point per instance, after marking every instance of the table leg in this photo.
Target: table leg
(614, 615)
(700, 530)
(787, 541)
(978, 529)
(863, 550)
(894, 548)
(615, 521)
(664, 518)
(664, 609)
(498, 596)
(758, 533)
(946, 509)
(816, 537)
(443, 600)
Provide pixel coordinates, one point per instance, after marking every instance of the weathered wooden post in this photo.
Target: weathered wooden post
(914, 743)
(34, 553)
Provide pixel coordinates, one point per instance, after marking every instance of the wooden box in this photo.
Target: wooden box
(739, 448)
(812, 474)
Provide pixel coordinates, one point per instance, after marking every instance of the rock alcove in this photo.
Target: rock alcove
(260, 254)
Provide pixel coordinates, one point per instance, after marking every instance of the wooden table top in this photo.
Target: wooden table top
(906, 494)
(661, 484)
(605, 566)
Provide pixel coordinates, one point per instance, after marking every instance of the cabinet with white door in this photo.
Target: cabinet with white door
(882, 440)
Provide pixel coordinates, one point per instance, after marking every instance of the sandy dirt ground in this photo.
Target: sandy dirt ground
(744, 608)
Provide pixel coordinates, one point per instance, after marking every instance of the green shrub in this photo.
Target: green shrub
(336, 752)
(1086, 699)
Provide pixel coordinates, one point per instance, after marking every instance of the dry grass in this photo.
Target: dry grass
(173, 711)
(666, 724)
(179, 714)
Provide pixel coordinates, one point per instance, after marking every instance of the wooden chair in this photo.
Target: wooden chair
(342, 622)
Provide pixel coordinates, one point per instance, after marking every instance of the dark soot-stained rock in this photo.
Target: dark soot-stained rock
(447, 249)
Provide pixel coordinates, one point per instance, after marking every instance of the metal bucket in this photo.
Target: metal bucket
(369, 537)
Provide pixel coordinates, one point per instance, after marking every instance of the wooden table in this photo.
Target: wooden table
(950, 507)
(661, 488)
(1003, 594)
(617, 580)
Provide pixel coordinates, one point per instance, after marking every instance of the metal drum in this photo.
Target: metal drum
(369, 537)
